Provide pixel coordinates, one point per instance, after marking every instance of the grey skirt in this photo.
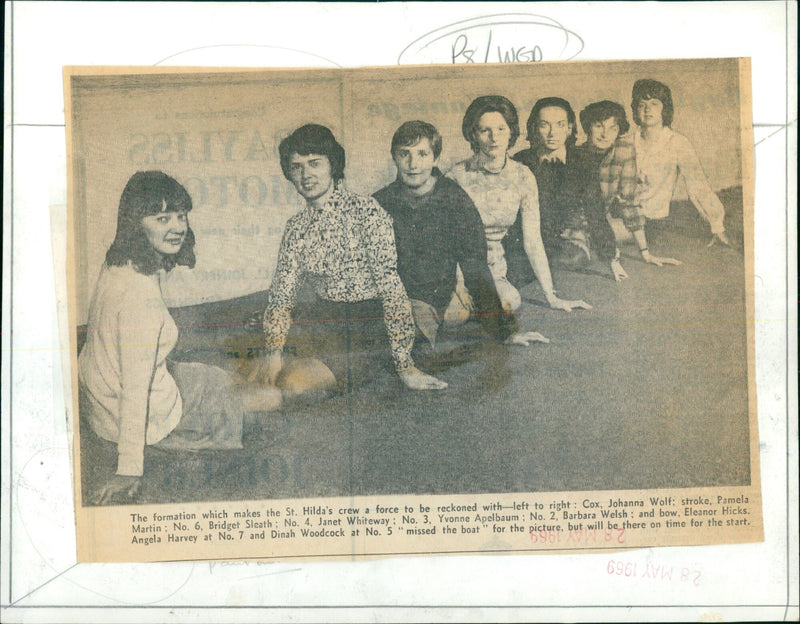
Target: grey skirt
(212, 412)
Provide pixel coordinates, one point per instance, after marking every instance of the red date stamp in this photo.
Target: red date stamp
(655, 572)
(583, 537)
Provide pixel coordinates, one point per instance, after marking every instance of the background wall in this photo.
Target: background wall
(218, 134)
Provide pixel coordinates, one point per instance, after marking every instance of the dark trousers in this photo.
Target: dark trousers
(350, 338)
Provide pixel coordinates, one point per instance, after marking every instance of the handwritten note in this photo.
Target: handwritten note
(501, 38)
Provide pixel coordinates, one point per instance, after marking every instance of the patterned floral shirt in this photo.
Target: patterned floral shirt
(347, 249)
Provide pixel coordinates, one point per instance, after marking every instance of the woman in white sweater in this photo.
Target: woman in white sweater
(662, 155)
(130, 393)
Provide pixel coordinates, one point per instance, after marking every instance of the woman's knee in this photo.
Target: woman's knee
(510, 298)
(307, 377)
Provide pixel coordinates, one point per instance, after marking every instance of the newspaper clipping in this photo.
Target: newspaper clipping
(411, 310)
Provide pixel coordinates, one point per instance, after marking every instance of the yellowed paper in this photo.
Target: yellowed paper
(635, 426)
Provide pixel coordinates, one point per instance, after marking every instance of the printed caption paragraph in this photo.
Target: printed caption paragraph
(530, 522)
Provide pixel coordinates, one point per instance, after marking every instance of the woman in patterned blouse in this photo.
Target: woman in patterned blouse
(336, 276)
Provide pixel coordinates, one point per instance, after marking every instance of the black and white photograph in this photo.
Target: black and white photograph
(431, 281)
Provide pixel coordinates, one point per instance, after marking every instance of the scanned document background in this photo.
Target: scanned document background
(39, 575)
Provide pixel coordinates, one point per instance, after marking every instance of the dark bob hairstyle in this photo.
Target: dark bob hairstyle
(412, 132)
(149, 193)
(600, 111)
(312, 139)
(558, 102)
(489, 104)
(647, 89)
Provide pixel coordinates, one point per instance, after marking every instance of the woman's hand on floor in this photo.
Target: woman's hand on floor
(658, 260)
(118, 486)
(415, 379)
(566, 304)
(524, 339)
(617, 271)
(721, 238)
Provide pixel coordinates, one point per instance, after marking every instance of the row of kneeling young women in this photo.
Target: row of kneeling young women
(400, 272)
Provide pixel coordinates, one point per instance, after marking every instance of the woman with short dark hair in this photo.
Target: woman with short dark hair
(535, 118)
(130, 392)
(501, 190)
(489, 104)
(312, 139)
(662, 154)
(649, 89)
(598, 112)
(336, 276)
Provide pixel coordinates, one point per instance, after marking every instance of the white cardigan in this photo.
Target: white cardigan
(130, 332)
